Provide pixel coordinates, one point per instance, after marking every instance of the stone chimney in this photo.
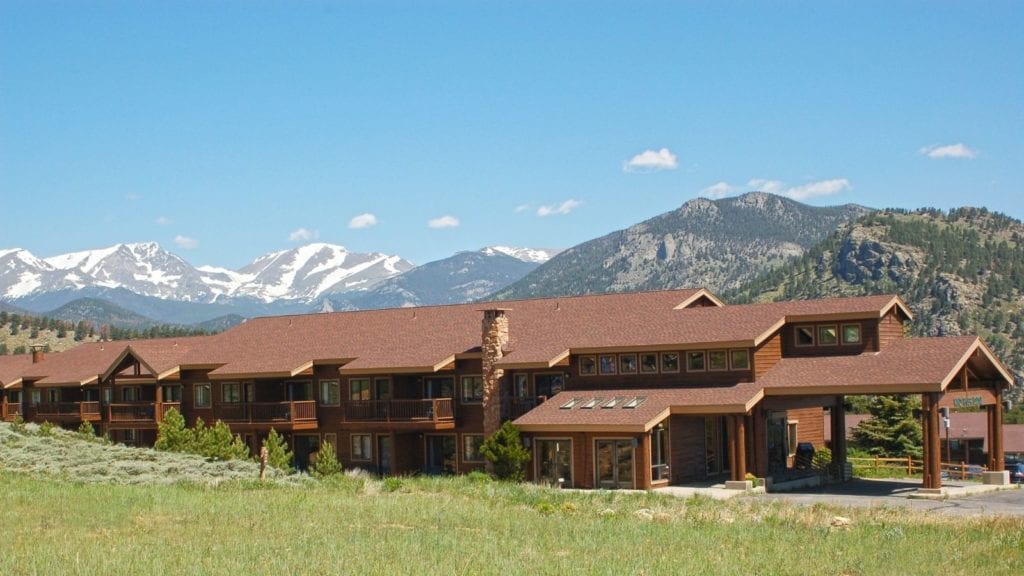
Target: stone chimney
(494, 343)
(38, 354)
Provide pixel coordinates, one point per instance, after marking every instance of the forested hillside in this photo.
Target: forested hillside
(960, 272)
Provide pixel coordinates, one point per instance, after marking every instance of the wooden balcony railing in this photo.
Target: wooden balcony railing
(132, 412)
(259, 412)
(429, 410)
(11, 409)
(68, 411)
(513, 407)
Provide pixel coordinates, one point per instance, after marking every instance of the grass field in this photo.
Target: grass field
(54, 524)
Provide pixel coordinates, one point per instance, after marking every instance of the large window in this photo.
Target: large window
(53, 395)
(718, 360)
(851, 333)
(739, 359)
(202, 395)
(359, 389)
(659, 453)
(231, 392)
(330, 393)
(471, 444)
(548, 385)
(362, 447)
(472, 389)
(695, 361)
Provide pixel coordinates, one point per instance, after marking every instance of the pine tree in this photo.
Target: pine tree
(892, 430)
(278, 454)
(326, 464)
(505, 451)
(172, 435)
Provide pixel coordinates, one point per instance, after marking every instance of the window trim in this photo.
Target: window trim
(466, 460)
(724, 368)
(835, 334)
(224, 392)
(796, 336)
(472, 399)
(665, 370)
(641, 364)
(352, 446)
(368, 389)
(746, 364)
(792, 436)
(209, 395)
(842, 334)
(593, 365)
(703, 360)
(325, 401)
(613, 363)
(623, 359)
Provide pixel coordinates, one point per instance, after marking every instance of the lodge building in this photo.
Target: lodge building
(636, 390)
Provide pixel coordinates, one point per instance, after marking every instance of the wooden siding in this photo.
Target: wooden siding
(868, 339)
(890, 328)
(810, 425)
(687, 460)
(767, 354)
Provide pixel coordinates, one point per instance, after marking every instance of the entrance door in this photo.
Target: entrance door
(440, 454)
(305, 446)
(554, 462)
(716, 445)
(384, 455)
(778, 445)
(614, 463)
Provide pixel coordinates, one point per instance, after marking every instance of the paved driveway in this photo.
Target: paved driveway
(890, 493)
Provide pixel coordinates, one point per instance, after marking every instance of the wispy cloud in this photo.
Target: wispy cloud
(303, 235)
(522, 208)
(652, 161)
(719, 190)
(958, 150)
(820, 188)
(563, 208)
(163, 221)
(445, 221)
(362, 221)
(186, 242)
(763, 185)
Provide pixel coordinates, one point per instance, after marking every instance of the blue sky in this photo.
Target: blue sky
(225, 130)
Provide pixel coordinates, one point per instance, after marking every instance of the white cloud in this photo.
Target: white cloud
(365, 220)
(163, 221)
(563, 208)
(652, 161)
(445, 221)
(303, 235)
(719, 190)
(820, 188)
(763, 185)
(186, 242)
(958, 150)
(522, 208)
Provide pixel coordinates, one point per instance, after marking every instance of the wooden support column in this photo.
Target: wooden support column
(932, 447)
(741, 448)
(748, 439)
(158, 403)
(839, 432)
(996, 454)
(730, 428)
(760, 444)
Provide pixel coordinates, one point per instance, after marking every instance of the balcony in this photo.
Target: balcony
(297, 415)
(67, 412)
(426, 414)
(10, 411)
(512, 407)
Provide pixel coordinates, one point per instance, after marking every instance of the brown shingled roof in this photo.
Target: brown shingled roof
(906, 365)
(12, 368)
(658, 403)
(161, 357)
(78, 366)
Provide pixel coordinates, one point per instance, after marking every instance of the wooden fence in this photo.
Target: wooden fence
(889, 466)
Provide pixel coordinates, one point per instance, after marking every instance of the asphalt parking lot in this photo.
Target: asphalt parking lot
(893, 493)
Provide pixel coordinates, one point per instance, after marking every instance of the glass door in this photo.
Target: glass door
(384, 455)
(554, 462)
(778, 446)
(440, 454)
(614, 464)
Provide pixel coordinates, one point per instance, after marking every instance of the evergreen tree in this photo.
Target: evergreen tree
(505, 451)
(217, 441)
(326, 464)
(172, 435)
(278, 454)
(892, 430)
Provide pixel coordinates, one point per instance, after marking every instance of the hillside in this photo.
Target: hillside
(960, 272)
(718, 244)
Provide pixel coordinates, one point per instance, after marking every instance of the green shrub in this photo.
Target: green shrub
(172, 435)
(46, 429)
(478, 477)
(822, 459)
(505, 451)
(218, 442)
(754, 480)
(326, 464)
(86, 431)
(18, 425)
(278, 454)
(392, 484)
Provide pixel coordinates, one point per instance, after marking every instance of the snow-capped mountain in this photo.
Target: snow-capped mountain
(533, 255)
(301, 274)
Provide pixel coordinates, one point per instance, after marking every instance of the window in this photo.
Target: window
(606, 364)
(851, 333)
(53, 395)
(35, 397)
(613, 402)
(588, 366)
(695, 361)
(362, 447)
(231, 392)
(131, 394)
(14, 397)
(649, 363)
(635, 402)
(471, 444)
(739, 359)
(805, 336)
(670, 362)
(827, 336)
(659, 453)
(330, 394)
(107, 395)
(172, 394)
(472, 389)
(359, 389)
(332, 439)
(548, 385)
(569, 405)
(382, 388)
(627, 363)
(202, 395)
(589, 404)
(718, 360)
(522, 385)
(791, 436)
